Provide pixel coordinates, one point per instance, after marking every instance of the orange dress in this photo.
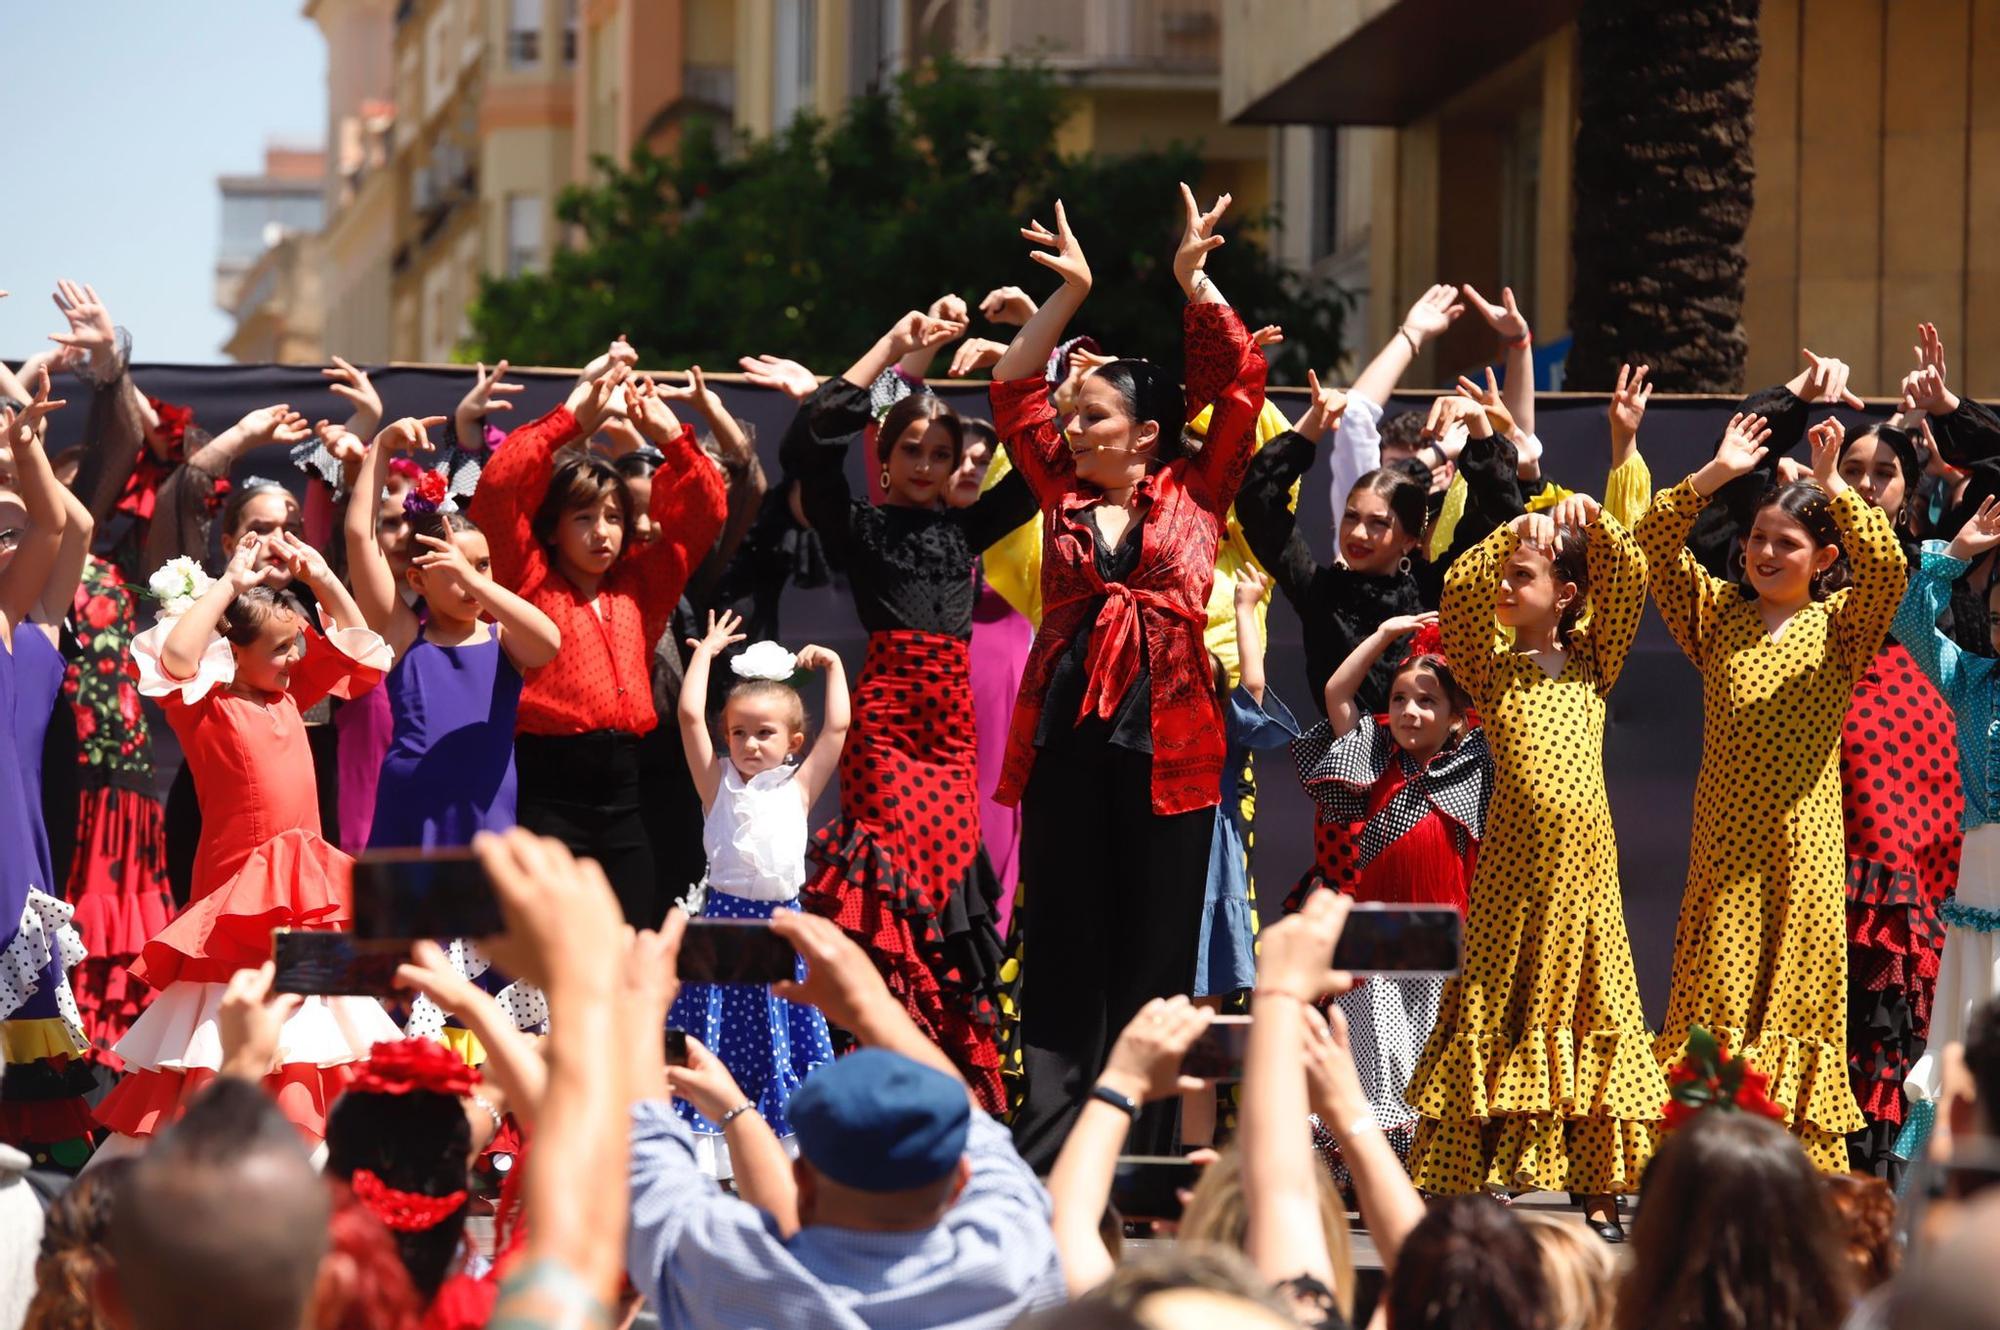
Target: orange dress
(261, 865)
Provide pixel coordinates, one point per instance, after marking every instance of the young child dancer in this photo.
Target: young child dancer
(232, 672)
(1538, 1074)
(1760, 954)
(1969, 974)
(1405, 796)
(455, 688)
(755, 797)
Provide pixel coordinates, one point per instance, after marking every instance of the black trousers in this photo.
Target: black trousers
(583, 789)
(1113, 896)
(671, 809)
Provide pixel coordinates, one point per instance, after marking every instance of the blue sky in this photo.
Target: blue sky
(122, 113)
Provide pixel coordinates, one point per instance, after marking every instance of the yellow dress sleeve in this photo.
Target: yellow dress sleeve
(1875, 560)
(1013, 563)
(1617, 597)
(1448, 517)
(1628, 490)
(1689, 598)
(1465, 613)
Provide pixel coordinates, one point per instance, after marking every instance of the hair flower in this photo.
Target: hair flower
(1709, 1078)
(428, 493)
(765, 660)
(409, 1066)
(178, 584)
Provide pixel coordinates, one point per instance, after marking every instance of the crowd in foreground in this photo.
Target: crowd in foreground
(1035, 898)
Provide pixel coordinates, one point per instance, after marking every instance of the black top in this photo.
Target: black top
(909, 568)
(1131, 723)
(1337, 607)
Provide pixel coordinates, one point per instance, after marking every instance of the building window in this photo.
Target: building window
(524, 233)
(569, 31)
(794, 59)
(524, 33)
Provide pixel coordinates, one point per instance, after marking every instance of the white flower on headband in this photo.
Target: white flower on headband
(765, 660)
(178, 584)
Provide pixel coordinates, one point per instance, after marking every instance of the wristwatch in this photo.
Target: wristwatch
(1116, 1100)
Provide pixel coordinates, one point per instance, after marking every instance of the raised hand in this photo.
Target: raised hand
(302, 560)
(1467, 414)
(705, 1082)
(950, 309)
(343, 444)
(649, 410)
(975, 353)
(247, 567)
(1295, 954)
(596, 400)
(1008, 305)
(274, 424)
(487, 394)
(1536, 531)
(411, 434)
(918, 331)
(250, 1022)
(1577, 511)
(429, 971)
(1925, 391)
(25, 429)
(1743, 446)
(1268, 335)
(1498, 418)
(1824, 379)
(1504, 318)
(1145, 1063)
(1402, 625)
(840, 978)
(695, 392)
(561, 915)
(1251, 587)
(1628, 405)
(1930, 349)
(1067, 261)
(353, 384)
(1327, 407)
(815, 658)
(722, 633)
(1825, 440)
(1198, 238)
(1980, 533)
(446, 556)
(90, 328)
(1435, 310)
(787, 376)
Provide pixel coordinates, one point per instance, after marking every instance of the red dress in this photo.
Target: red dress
(261, 865)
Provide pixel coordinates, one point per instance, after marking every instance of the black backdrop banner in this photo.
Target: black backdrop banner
(1653, 744)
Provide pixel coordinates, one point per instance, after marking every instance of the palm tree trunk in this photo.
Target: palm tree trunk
(1663, 191)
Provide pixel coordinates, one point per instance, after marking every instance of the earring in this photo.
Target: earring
(1404, 565)
(885, 477)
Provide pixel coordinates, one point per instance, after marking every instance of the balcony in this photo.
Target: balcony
(1114, 36)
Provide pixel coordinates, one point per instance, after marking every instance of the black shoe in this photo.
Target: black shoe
(1609, 1229)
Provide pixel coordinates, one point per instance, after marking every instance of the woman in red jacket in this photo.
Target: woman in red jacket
(557, 519)
(1118, 692)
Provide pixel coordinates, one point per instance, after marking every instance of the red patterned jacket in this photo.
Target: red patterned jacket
(1186, 505)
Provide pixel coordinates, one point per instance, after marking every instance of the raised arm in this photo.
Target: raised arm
(27, 575)
(512, 1061)
(1264, 511)
(1629, 487)
(181, 651)
(511, 489)
(1517, 345)
(1390, 1206)
(1689, 596)
(368, 571)
(688, 505)
(1863, 612)
(1434, 311)
(183, 512)
(1617, 569)
(704, 765)
(487, 395)
(1939, 566)
(1028, 353)
(824, 759)
(1465, 611)
(59, 591)
(529, 637)
(1343, 713)
(1251, 588)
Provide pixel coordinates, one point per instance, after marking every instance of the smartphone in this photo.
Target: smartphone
(335, 964)
(407, 894)
(735, 951)
(677, 1047)
(1150, 1186)
(1400, 940)
(1217, 1055)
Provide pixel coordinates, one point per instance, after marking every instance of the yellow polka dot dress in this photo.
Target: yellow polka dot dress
(1760, 955)
(1539, 1075)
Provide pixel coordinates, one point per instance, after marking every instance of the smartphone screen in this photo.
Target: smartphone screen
(1217, 1054)
(335, 964)
(735, 951)
(409, 894)
(1149, 1186)
(677, 1047)
(1401, 940)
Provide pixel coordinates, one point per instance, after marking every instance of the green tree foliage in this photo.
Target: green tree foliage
(808, 244)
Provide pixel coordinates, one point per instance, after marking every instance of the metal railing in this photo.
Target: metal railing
(1102, 34)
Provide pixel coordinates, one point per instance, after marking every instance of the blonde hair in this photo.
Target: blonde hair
(1579, 1270)
(1217, 1213)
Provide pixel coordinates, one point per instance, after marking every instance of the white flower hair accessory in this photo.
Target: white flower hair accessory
(178, 584)
(765, 660)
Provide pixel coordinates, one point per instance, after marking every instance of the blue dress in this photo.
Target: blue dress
(38, 944)
(1226, 958)
(450, 768)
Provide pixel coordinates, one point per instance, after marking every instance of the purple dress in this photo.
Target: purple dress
(35, 929)
(450, 768)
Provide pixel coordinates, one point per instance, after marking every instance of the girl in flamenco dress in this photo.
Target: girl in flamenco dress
(232, 670)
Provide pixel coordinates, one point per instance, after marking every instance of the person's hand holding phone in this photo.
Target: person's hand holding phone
(251, 1022)
(1294, 955)
(1333, 1082)
(430, 972)
(1145, 1063)
(705, 1082)
(840, 979)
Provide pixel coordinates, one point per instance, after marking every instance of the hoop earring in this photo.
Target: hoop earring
(885, 478)
(1404, 565)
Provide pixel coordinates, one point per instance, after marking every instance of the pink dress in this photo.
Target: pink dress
(1001, 636)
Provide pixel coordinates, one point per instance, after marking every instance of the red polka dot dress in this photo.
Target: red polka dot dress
(1760, 955)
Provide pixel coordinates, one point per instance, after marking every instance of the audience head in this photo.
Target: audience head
(266, 628)
(1468, 1265)
(1792, 551)
(919, 445)
(982, 445)
(1582, 1278)
(74, 1233)
(400, 1139)
(1383, 524)
(1866, 1210)
(1951, 1283)
(638, 468)
(1130, 417)
(1402, 434)
(584, 517)
(1540, 583)
(1193, 1286)
(1218, 1215)
(221, 1222)
(362, 1282)
(445, 593)
(881, 1143)
(1736, 1232)
(1880, 463)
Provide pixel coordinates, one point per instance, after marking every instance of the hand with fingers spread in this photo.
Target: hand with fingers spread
(1498, 418)
(695, 392)
(487, 395)
(1066, 261)
(918, 331)
(975, 353)
(597, 400)
(408, 434)
(1268, 335)
(1979, 535)
(250, 1022)
(1824, 379)
(1504, 318)
(1742, 448)
(1008, 305)
(1825, 440)
(649, 411)
(1327, 406)
(1198, 240)
(722, 633)
(1628, 407)
(91, 331)
(1145, 1063)
(353, 385)
(1295, 955)
(1251, 587)
(1434, 311)
(787, 376)
(1455, 413)
(273, 425)
(27, 427)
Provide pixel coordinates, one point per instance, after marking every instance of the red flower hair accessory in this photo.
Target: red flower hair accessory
(403, 1211)
(174, 421)
(1428, 641)
(410, 1066)
(427, 493)
(1707, 1077)
(404, 467)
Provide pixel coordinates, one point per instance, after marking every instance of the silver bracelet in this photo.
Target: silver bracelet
(491, 1111)
(745, 1107)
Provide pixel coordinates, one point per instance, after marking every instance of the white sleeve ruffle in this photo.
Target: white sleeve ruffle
(216, 668)
(365, 648)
